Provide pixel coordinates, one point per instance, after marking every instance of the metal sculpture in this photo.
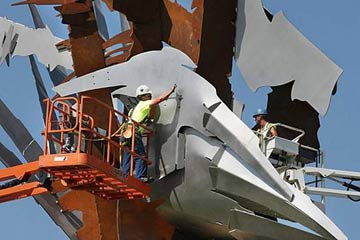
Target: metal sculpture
(212, 180)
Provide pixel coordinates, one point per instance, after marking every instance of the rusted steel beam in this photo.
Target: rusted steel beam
(121, 38)
(117, 59)
(86, 203)
(86, 43)
(144, 17)
(125, 42)
(64, 45)
(182, 29)
(140, 220)
(88, 56)
(216, 50)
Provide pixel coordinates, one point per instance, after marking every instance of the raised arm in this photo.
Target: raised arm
(162, 97)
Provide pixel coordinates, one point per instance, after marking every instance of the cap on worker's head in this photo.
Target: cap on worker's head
(260, 111)
(142, 90)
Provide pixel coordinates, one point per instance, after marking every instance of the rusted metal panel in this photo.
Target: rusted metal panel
(139, 11)
(107, 215)
(145, 21)
(216, 50)
(99, 215)
(182, 29)
(117, 59)
(294, 113)
(87, 54)
(74, 8)
(163, 20)
(84, 202)
(140, 220)
(125, 42)
(123, 37)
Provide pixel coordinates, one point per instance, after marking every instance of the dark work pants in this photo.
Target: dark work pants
(140, 165)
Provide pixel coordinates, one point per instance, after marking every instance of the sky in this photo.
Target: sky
(333, 26)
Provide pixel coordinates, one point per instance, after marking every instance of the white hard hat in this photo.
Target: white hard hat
(142, 90)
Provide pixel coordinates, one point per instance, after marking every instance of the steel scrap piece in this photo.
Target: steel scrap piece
(42, 44)
(58, 74)
(272, 53)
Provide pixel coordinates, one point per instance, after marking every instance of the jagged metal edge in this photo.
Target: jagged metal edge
(272, 53)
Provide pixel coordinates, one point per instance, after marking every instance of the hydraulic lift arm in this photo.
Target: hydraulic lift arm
(79, 168)
(18, 187)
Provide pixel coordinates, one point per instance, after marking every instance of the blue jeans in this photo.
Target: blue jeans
(140, 165)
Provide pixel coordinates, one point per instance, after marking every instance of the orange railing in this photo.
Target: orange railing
(72, 119)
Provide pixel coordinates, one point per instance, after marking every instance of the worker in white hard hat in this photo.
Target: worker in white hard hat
(142, 113)
(266, 130)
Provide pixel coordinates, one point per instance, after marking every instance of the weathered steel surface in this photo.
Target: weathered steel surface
(217, 41)
(99, 215)
(86, 43)
(182, 29)
(294, 113)
(125, 42)
(84, 202)
(207, 36)
(144, 17)
(140, 220)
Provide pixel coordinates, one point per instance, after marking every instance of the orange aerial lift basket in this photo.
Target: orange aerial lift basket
(83, 156)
